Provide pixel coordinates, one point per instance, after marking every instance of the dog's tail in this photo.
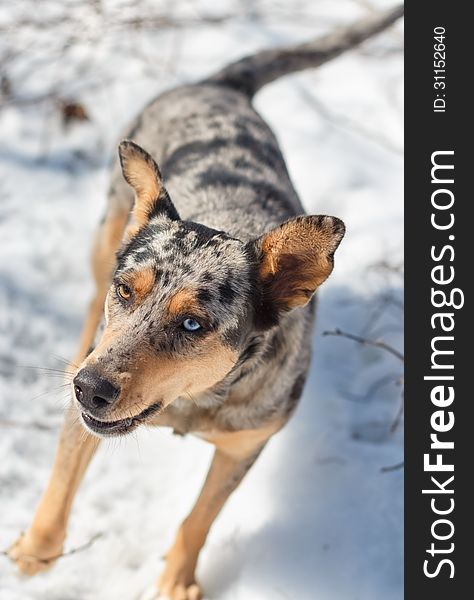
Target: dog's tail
(251, 73)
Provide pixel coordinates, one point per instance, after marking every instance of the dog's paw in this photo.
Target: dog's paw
(178, 592)
(33, 555)
(177, 585)
(181, 592)
(177, 581)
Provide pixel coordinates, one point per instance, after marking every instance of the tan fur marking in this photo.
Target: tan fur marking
(141, 281)
(184, 301)
(142, 177)
(241, 443)
(131, 231)
(147, 189)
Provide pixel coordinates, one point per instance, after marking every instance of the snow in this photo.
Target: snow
(316, 517)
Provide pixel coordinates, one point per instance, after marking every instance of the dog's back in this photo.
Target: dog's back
(220, 161)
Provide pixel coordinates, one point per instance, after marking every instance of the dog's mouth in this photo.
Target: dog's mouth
(122, 426)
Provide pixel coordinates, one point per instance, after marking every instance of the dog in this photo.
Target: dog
(206, 269)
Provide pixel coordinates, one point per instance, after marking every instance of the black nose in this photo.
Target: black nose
(94, 392)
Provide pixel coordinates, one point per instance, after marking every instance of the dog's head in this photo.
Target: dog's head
(185, 300)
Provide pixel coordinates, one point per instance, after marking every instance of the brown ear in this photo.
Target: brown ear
(142, 173)
(295, 258)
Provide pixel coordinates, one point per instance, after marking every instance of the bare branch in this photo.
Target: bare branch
(367, 342)
(374, 388)
(159, 21)
(399, 415)
(385, 265)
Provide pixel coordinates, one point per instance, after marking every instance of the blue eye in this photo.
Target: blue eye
(191, 325)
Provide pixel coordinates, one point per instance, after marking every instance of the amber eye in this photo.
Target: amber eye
(124, 291)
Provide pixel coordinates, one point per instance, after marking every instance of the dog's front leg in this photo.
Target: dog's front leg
(45, 536)
(234, 455)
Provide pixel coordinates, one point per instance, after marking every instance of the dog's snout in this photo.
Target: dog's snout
(94, 391)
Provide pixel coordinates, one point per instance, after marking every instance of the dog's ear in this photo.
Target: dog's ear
(142, 173)
(293, 260)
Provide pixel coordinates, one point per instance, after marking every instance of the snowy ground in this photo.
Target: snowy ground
(316, 518)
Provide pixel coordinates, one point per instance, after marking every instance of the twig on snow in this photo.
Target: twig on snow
(57, 556)
(392, 468)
